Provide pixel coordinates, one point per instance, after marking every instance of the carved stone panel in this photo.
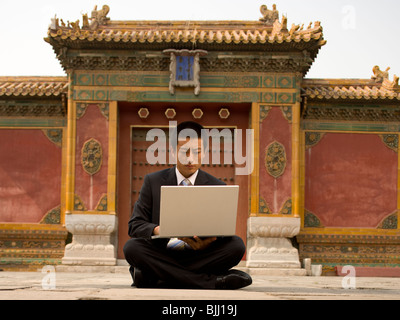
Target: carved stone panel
(92, 155)
(275, 159)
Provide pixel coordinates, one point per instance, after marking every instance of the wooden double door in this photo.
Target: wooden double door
(135, 139)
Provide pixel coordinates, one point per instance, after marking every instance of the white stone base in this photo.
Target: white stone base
(83, 261)
(272, 253)
(92, 240)
(269, 251)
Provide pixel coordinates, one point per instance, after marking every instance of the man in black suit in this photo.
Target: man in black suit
(204, 263)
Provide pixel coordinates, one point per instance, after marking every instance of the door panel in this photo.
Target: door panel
(133, 164)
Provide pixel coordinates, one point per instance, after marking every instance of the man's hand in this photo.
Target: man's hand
(197, 243)
(156, 231)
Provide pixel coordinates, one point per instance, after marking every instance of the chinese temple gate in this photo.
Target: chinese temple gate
(325, 172)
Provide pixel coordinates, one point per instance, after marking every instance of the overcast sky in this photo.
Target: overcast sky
(360, 33)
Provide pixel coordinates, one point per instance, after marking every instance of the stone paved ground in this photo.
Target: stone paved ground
(116, 286)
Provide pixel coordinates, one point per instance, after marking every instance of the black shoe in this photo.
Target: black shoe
(233, 280)
(140, 280)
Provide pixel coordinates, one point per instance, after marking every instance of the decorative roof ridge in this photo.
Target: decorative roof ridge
(379, 81)
(33, 78)
(347, 89)
(33, 86)
(267, 30)
(186, 23)
(173, 25)
(337, 81)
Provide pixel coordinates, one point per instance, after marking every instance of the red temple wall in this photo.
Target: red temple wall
(91, 188)
(351, 180)
(276, 192)
(30, 176)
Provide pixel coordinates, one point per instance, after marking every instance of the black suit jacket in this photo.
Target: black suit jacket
(146, 212)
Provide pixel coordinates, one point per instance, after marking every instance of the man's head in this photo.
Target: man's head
(188, 144)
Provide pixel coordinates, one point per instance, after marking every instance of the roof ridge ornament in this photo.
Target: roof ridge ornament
(269, 16)
(98, 18)
(382, 77)
(279, 27)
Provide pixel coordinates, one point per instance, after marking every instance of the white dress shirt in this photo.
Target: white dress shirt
(180, 177)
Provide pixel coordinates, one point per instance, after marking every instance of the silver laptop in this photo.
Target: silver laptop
(203, 211)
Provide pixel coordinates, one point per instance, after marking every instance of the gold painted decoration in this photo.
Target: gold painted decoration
(80, 110)
(224, 113)
(390, 222)
(55, 136)
(275, 159)
(197, 113)
(105, 110)
(102, 205)
(52, 217)
(78, 204)
(287, 113)
(312, 138)
(143, 113)
(92, 156)
(264, 208)
(391, 141)
(170, 113)
(264, 110)
(287, 208)
(311, 220)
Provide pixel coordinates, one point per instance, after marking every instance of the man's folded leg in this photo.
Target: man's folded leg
(205, 269)
(218, 259)
(153, 260)
(222, 255)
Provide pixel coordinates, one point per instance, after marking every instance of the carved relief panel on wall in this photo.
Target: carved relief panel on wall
(92, 156)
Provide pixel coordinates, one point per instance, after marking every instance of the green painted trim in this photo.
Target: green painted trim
(350, 126)
(163, 96)
(206, 81)
(355, 264)
(5, 261)
(40, 123)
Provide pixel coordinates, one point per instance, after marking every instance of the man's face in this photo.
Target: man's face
(189, 156)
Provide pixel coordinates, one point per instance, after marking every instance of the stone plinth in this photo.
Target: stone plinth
(269, 247)
(92, 240)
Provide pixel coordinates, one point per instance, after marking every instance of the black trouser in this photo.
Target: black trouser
(186, 268)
